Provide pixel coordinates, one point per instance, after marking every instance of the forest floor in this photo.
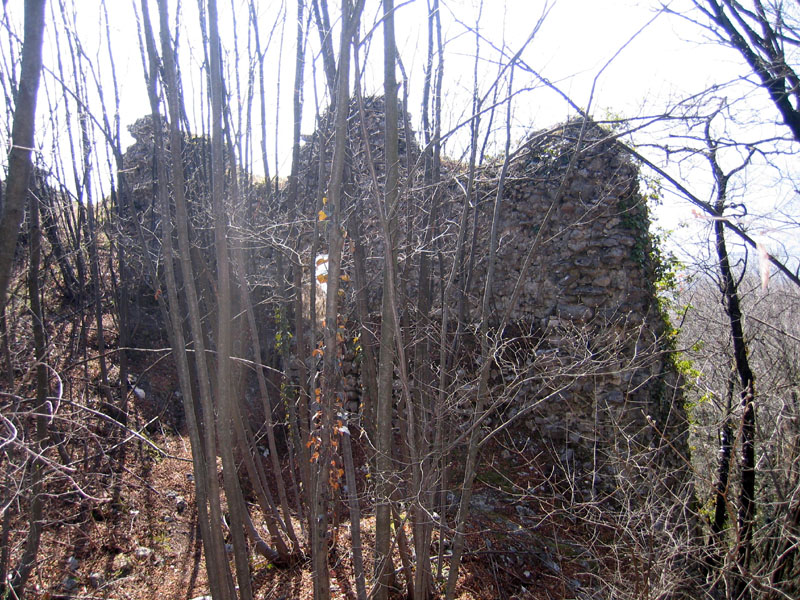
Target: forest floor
(145, 544)
(139, 540)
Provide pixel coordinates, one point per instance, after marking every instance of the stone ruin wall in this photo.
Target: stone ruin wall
(588, 304)
(582, 358)
(138, 229)
(586, 334)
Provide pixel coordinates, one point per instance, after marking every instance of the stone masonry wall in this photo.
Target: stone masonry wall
(588, 305)
(582, 363)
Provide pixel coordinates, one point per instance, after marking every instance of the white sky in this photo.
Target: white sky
(577, 39)
(667, 60)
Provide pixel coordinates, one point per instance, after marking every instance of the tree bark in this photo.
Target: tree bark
(299, 410)
(323, 23)
(732, 303)
(35, 525)
(762, 52)
(330, 373)
(204, 451)
(383, 418)
(262, 388)
(355, 515)
(224, 425)
(20, 164)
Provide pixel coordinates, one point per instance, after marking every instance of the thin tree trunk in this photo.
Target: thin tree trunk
(486, 362)
(225, 417)
(471, 194)
(723, 468)
(404, 551)
(732, 303)
(20, 165)
(355, 515)
(119, 198)
(383, 418)
(323, 23)
(204, 457)
(369, 367)
(439, 469)
(94, 260)
(330, 373)
(246, 444)
(424, 375)
(33, 537)
(262, 98)
(262, 388)
(8, 363)
(299, 422)
(5, 534)
(747, 507)
(260, 487)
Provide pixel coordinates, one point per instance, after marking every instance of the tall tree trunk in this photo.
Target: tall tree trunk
(243, 435)
(33, 538)
(723, 468)
(330, 373)
(119, 199)
(732, 303)
(747, 507)
(369, 365)
(746, 513)
(355, 514)
(94, 259)
(487, 359)
(262, 388)
(20, 164)
(383, 418)
(262, 99)
(424, 374)
(323, 22)
(475, 125)
(204, 448)
(225, 416)
(300, 422)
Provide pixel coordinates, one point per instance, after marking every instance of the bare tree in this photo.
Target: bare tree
(233, 491)
(447, 364)
(729, 289)
(386, 360)
(765, 34)
(36, 468)
(20, 165)
(204, 438)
